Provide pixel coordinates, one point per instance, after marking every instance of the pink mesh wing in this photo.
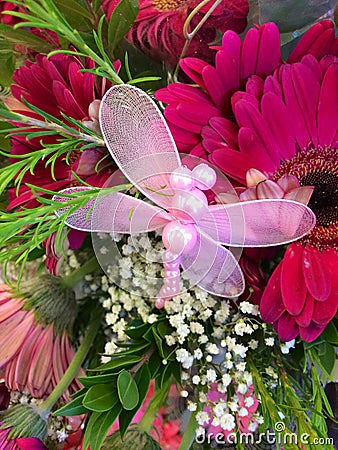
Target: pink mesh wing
(139, 140)
(213, 268)
(257, 223)
(113, 212)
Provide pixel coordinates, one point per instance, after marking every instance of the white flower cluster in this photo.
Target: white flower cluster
(211, 337)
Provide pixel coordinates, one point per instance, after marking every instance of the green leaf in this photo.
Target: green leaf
(149, 335)
(79, 393)
(142, 379)
(121, 21)
(330, 334)
(164, 329)
(137, 332)
(73, 408)
(97, 379)
(23, 37)
(117, 363)
(154, 364)
(327, 356)
(98, 427)
(127, 390)
(134, 349)
(7, 64)
(100, 397)
(159, 342)
(166, 375)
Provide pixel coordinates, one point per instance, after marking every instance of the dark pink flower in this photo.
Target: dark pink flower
(7, 444)
(57, 86)
(7, 18)
(158, 29)
(200, 118)
(30, 444)
(285, 125)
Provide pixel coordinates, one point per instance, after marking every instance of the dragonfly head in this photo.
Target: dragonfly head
(189, 201)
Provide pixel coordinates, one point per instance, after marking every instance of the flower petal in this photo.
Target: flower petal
(40, 371)
(293, 285)
(327, 106)
(315, 273)
(324, 312)
(271, 306)
(286, 327)
(30, 444)
(305, 317)
(311, 332)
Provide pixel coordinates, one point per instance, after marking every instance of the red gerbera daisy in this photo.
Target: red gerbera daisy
(158, 29)
(6, 18)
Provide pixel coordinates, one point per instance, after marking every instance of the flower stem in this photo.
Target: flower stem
(155, 404)
(190, 433)
(77, 275)
(75, 365)
(190, 36)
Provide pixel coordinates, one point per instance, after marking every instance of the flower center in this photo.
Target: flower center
(324, 200)
(167, 5)
(318, 167)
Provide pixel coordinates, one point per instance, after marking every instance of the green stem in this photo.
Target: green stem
(190, 433)
(74, 366)
(77, 275)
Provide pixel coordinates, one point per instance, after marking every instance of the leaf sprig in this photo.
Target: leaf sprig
(23, 231)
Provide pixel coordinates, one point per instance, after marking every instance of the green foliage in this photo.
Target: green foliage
(100, 397)
(127, 390)
(121, 21)
(120, 386)
(23, 232)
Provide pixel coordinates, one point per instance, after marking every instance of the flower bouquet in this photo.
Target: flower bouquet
(169, 225)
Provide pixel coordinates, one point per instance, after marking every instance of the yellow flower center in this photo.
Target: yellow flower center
(168, 5)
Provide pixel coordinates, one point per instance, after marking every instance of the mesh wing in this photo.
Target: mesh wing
(139, 140)
(213, 268)
(258, 223)
(113, 212)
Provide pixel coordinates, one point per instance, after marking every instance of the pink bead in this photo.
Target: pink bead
(159, 303)
(181, 178)
(179, 238)
(204, 176)
(189, 205)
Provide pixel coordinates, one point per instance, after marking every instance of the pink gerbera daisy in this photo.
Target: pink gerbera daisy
(35, 348)
(199, 116)
(158, 29)
(285, 125)
(291, 135)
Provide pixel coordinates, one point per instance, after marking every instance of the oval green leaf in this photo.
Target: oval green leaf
(100, 397)
(127, 390)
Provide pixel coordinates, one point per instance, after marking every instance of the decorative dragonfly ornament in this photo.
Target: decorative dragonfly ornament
(194, 232)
